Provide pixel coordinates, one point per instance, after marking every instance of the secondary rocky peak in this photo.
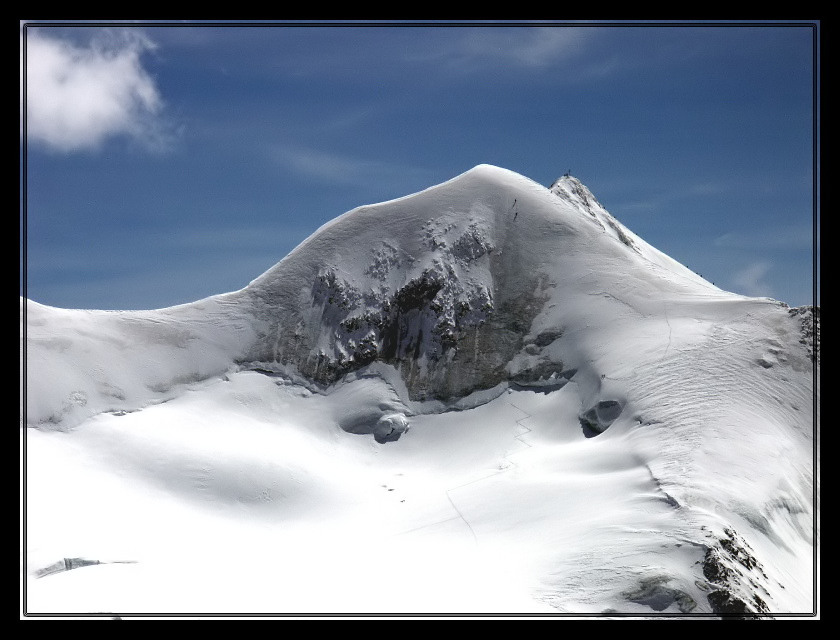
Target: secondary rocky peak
(574, 191)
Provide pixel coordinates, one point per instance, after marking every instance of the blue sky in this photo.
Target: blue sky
(168, 163)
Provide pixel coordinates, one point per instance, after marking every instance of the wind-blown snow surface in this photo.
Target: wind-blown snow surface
(487, 397)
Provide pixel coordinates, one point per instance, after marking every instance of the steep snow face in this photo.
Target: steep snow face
(445, 285)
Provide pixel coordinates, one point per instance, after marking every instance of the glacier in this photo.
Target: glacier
(487, 397)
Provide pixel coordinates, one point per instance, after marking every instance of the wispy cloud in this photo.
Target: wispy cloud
(769, 238)
(337, 168)
(234, 237)
(476, 49)
(79, 96)
(531, 47)
(327, 166)
(751, 279)
(658, 199)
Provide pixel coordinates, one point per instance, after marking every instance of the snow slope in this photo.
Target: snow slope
(486, 397)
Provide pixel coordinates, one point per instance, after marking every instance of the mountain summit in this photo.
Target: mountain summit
(464, 287)
(451, 284)
(542, 389)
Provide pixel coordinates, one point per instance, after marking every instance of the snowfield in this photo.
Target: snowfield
(486, 398)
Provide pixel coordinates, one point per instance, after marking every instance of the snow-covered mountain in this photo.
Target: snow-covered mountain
(486, 397)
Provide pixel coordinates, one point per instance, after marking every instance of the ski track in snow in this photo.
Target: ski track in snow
(508, 458)
(458, 511)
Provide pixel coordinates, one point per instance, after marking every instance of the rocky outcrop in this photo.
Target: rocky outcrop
(809, 322)
(734, 578)
(445, 337)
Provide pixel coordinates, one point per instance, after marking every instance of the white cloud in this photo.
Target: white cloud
(750, 279)
(77, 97)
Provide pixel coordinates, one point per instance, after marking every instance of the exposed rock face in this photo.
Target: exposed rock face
(656, 593)
(734, 578)
(597, 419)
(445, 336)
(809, 318)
